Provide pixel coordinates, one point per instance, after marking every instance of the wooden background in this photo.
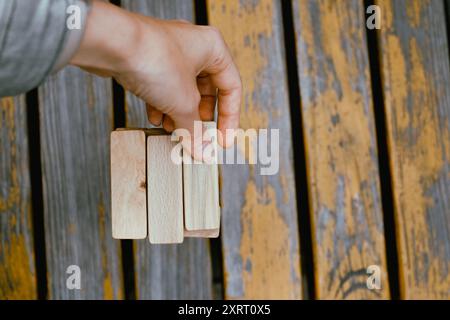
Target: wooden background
(364, 120)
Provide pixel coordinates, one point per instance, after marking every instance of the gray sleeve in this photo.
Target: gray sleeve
(35, 41)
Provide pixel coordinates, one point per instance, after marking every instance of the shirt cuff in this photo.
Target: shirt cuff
(73, 36)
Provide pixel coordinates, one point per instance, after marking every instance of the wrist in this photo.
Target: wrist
(109, 39)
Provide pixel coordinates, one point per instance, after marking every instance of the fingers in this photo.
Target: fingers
(168, 123)
(154, 116)
(190, 120)
(228, 113)
(225, 76)
(208, 98)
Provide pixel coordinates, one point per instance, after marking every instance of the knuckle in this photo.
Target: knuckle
(216, 37)
(215, 32)
(218, 47)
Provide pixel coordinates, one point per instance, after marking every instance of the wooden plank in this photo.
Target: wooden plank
(173, 272)
(164, 192)
(128, 184)
(17, 268)
(168, 271)
(340, 140)
(201, 190)
(75, 121)
(259, 213)
(416, 85)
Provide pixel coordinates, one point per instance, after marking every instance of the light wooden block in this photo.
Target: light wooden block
(213, 233)
(164, 192)
(150, 192)
(128, 184)
(201, 197)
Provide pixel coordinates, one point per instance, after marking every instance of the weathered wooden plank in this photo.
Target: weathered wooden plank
(259, 229)
(76, 118)
(168, 271)
(17, 268)
(416, 84)
(341, 148)
(177, 271)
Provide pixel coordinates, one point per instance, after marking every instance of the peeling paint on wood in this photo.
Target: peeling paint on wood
(416, 83)
(260, 233)
(340, 141)
(17, 266)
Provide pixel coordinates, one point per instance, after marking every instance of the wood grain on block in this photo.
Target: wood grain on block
(164, 192)
(128, 184)
(201, 191)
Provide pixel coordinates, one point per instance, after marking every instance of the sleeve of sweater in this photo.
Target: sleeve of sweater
(37, 38)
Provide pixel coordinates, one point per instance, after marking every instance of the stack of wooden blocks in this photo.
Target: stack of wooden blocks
(154, 197)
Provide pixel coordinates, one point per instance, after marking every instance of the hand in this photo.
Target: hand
(176, 67)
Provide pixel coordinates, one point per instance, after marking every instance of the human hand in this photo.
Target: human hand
(176, 67)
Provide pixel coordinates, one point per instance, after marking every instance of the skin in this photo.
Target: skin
(177, 68)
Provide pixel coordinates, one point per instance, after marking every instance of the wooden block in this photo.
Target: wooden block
(213, 233)
(128, 184)
(201, 196)
(164, 192)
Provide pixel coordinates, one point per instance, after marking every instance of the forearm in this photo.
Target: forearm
(109, 39)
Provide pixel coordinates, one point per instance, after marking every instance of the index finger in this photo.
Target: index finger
(225, 76)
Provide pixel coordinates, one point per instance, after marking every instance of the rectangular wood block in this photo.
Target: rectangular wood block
(128, 184)
(201, 196)
(213, 233)
(164, 192)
